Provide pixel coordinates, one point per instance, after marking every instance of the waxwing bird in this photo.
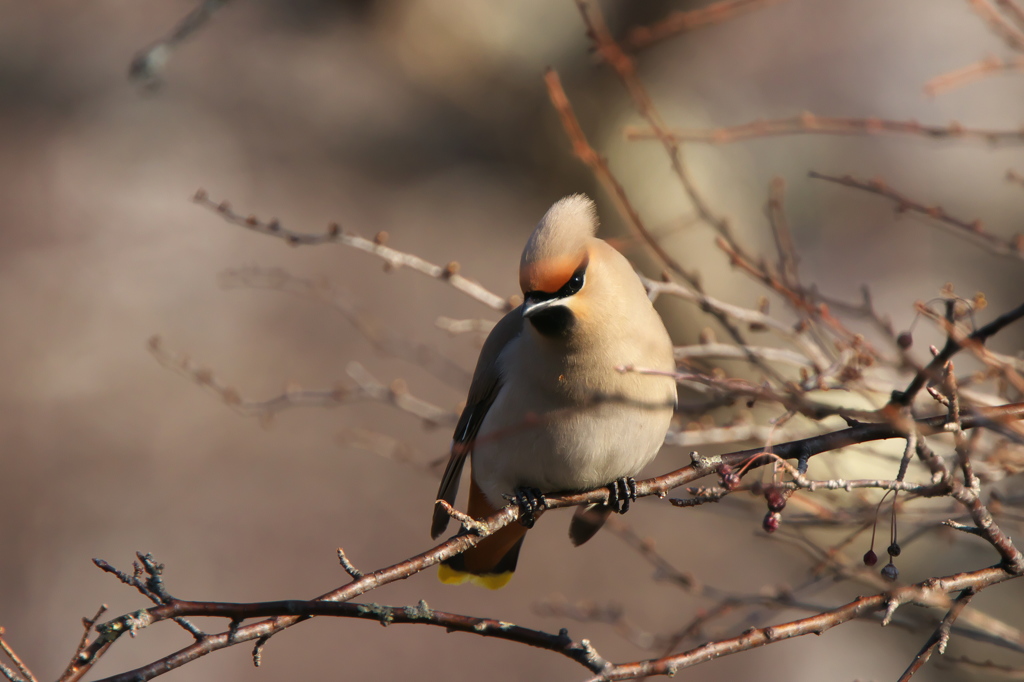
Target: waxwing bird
(549, 408)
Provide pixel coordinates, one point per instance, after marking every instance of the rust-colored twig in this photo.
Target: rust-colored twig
(599, 166)
(1014, 10)
(811, 124)
(678, 22)
(930, 592)
(789, 261)
(1010, 34)
(972, 230)
(624, 67)
(989, 66)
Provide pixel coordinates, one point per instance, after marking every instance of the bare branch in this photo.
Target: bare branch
(952, 347)
(932, 592)
(678, 22)
(481, 528)
(812, 124)
(969, 230)
(581, 652)
(599, 166)
(19, 664)
(1014, 10)
(939, 639)
(788, 258)
(989, 66)
(1010, 34)
(393, 258)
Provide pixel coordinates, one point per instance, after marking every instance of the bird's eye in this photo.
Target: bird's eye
(574, 284)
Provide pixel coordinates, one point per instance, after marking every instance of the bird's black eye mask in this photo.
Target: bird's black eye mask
(571, 287)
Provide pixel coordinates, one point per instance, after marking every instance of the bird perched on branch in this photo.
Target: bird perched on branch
(550, 408)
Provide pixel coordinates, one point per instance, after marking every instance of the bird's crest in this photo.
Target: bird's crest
(558, 245)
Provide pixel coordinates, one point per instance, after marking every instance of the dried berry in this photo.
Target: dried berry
(905, 340)
(730, 479)
(893, 549)
(890, 572)
(870, 558)
(776, 498)
(771, 522)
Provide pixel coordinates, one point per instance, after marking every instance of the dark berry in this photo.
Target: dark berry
(905, 340)
(771, 522)
(890, 572)
(776, 498)
(893, 550)
(870, 558)
(730, 479)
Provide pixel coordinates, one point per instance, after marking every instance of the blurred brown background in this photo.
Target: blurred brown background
(427, 119)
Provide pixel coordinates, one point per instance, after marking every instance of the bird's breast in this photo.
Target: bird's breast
(565, 431)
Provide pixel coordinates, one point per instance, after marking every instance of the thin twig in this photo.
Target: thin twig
(678, 22)
(953, 346)
(929, 592)
(367, 388)
(1014, 10)
(812, 124)
(599, 166)
(789, 261)
(393, 258)
(970, 230)
(1010, 34)
(20, 664)
(973, 72)
(939, 638)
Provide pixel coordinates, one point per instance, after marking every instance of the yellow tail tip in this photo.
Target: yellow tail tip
(492, 581)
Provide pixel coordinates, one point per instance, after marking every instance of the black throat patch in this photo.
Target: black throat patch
(556, 321)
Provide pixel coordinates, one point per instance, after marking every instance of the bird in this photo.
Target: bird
(550, 407)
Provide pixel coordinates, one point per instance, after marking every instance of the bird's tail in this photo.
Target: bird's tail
(587, 520)
(492, 562)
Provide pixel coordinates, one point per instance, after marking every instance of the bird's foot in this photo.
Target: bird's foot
(531, 502)
(621, 493)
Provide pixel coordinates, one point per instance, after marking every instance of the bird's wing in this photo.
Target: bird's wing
(485, 386)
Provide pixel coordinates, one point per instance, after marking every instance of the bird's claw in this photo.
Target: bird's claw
(531, 502)
(621, 493)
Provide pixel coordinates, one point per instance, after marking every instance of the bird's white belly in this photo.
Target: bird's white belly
(564, 448)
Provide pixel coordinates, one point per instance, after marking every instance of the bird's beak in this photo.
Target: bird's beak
(532, 306)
